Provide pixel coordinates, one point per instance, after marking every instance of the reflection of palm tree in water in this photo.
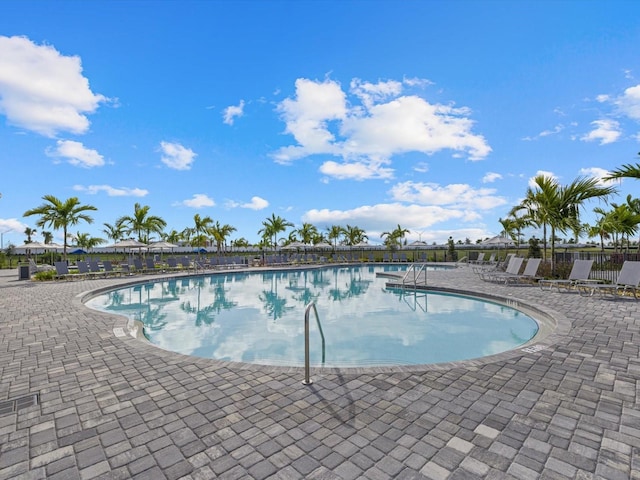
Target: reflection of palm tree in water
(274, 305)
(303, 293)
(206, 314)
(355, 287)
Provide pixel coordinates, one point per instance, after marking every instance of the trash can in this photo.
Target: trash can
(24, 272)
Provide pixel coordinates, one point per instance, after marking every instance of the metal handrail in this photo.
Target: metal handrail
(307, 380)
(411, 268)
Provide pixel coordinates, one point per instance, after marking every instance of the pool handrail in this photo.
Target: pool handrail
(416, 269)
(307, 380)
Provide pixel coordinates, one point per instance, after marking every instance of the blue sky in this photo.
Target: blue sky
(433, 115)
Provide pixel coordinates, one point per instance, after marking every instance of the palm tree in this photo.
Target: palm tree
(87, 242)
(47, 237)
(625, 171)
(29, 232)
(272, 226)
(240, 243)
(394, 237)
(61, 215)
(334, 232)
(307, 233)
(114, 232)
(201, 228)
(602, 228)
(354, 235)
(552, 205)
(172, 237)
(220, 234)
(141, 223)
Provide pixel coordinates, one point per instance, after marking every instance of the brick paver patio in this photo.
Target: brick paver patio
(79, 400)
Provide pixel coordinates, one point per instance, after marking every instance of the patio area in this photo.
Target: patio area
(79, 399)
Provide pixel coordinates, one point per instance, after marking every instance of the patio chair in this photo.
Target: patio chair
(109, 270)
(493, 265)
(479, 260)
(62, 271)
(628, 281)
(35, 268)
(513, 268)
(150, 265)
(528, 276)
(84, 270)
(580, 271)
(94, 266)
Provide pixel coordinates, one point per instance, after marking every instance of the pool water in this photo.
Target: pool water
(258, 317)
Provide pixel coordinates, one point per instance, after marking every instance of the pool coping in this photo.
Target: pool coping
(552, 326)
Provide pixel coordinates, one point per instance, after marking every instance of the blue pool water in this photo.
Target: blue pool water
(258, 317)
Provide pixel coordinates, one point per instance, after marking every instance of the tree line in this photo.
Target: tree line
(547, 205)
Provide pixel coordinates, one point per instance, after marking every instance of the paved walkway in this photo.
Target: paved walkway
(86, 403)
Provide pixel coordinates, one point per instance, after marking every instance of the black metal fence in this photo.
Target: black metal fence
(606, 266)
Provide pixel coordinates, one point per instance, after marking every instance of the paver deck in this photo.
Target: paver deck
(83, 402)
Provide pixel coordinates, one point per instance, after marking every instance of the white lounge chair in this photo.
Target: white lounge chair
(628, 281)
(35, 268)
(513, 268)
(528, 276)
(580, 271)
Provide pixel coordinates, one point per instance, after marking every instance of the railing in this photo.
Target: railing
(415, 269)
(307, 379)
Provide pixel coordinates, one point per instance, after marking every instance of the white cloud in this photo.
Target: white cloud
(491, 177)
(12, 225)
(545, 133)
(355, 170)
(307, 115)
(606, 131)
(76, 154)
(557, 129)
(323, 122)
(112, 191)
(629, 102)
(457, 195)
(176, 156)
(422, 167)
(256, 203)
(377, 218)
(597, 173)
(42, 90)
(199, 200)
(544, 173)
(230, 113)
(372, 93)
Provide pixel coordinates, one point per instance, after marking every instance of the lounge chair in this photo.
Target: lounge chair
(580, 271)
(479, 260)
(492, 264)
(62, 271)
(85, 270)
(109, 270)
(528, 276)
(150, 265)
(628, 281)
(35, 268)
(493, 275)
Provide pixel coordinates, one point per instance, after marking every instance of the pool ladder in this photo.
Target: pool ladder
(307, 380)
(413, 274)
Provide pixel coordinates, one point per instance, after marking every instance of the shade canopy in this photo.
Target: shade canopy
(162, 245)
(498, 240)
(129, 243)
(31, 246)
(294, 246)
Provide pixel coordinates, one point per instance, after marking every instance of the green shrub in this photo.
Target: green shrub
(44, 276)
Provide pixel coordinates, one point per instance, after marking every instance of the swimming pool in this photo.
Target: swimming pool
(258, 317)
